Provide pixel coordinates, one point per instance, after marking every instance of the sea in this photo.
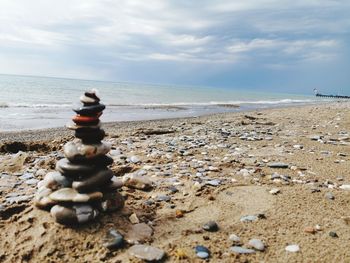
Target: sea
(29, 103)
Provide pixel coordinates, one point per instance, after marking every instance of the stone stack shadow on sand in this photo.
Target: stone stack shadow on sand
(82, 186)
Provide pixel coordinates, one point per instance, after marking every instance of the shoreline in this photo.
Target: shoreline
(52, 132)
(47, 118)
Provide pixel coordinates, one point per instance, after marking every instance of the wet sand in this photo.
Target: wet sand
(208, 168)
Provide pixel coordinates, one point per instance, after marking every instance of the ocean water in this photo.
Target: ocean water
(28, 102)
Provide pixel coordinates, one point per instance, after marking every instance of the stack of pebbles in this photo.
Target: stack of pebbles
(82, 186)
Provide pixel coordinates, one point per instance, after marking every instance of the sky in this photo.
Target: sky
(275, 45)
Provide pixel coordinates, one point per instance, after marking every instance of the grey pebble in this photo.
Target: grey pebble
(333, 234)
(202, 252)
(211, 226)
(113, 239)
(242, 250)
(249, 218)
(329, 196)
(278, 165)
(256, 244)
(147, 253)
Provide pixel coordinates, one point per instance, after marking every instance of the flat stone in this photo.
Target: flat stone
(42, 199)
(115, 183)
(55, 180)
(77, 214)
(89, 135)
(72, 195)
(18, 199)
(32, 181)
(100, 178)
(137, 181)
(333, 234)
(86, 120)
(234, 238)
(134, 159)
(329, 196)
(113, 239)
(93, 93)
(77, 151)
(241, 250)
(249, 218)
(74, 170)
(139, 233)
(134, 219)
(278, 165)
(310, 230)
(292, 248)
(75, 127)
(90, 110)
(147, 253)
(26, 176)
(202, 252)
(163, 198)
(345, 187)
(214, 182)
(211, 226)
(274, 191)
(316, 137)
(88, 100)
(256, 244)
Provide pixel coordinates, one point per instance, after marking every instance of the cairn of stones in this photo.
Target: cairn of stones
(82, 186)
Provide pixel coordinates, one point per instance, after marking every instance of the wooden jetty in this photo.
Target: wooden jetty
(330, 96)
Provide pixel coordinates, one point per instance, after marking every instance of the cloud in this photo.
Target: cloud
(203, 37)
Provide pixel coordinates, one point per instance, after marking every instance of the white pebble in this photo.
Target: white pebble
(292, 248)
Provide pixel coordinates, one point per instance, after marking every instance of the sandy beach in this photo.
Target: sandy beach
(278, 175)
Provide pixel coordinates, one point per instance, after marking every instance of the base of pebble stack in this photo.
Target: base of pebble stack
(76, 214)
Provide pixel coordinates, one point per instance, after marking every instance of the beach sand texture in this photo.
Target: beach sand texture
(205, 168)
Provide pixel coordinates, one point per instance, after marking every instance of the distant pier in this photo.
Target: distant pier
(332, 96)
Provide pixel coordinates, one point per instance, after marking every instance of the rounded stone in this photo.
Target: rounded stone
(94, 94)
(42, 199)
(292, 248)
(90, 109)
(77, 214)
(72, 195)
(112, 201)
(241, 250)
(137, 181)
(88, 135)
(87, 100)
(100, 178)
(86, 120)
(234, 238)
(113, 239)
(146, 252)
(74, 126)
(54, 181)
(114, 184)
(256, 244)
(202, 252)
(77, 151)
(211, 226)
(74, 170)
